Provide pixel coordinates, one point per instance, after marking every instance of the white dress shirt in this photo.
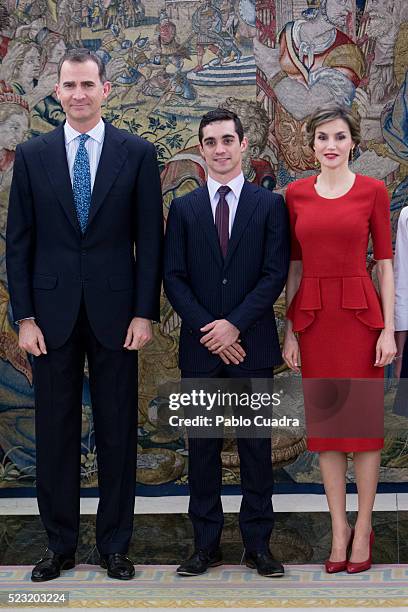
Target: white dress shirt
(232, 197)
(93, 146)
(401, 272)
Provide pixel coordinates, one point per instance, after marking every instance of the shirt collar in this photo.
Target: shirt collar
(97, 132)
(235, 185)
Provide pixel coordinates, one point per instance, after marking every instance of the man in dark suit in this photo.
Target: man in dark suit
(226, 262)
(82, 198)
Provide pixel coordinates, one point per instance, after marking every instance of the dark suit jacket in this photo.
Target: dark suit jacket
(201, 286)
(51, 265)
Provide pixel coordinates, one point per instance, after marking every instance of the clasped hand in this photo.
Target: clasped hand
(222, 338)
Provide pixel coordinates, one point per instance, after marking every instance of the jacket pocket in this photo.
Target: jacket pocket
(120, 282)
(42, 281)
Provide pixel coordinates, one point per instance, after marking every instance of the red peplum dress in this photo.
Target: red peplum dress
(337, 311)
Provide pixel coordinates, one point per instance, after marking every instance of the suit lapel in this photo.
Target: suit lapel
(54, 156)
(201, 206)
(113, 156)
(247, 204)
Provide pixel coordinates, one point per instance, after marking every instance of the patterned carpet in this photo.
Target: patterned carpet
(306, 586)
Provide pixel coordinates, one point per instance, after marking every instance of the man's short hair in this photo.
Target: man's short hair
(220, 114)
(80, 56)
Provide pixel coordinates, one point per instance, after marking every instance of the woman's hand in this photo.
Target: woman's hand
(386, 349)
(291, 352)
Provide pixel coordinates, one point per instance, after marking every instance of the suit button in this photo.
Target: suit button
(191, 331)
(83, 252)
(224, 281)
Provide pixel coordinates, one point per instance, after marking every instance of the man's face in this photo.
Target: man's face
(381, 17)
(222, 150)
(13, 130)
(81, 92)
(338, 10)
(30, 68)
(57, 52)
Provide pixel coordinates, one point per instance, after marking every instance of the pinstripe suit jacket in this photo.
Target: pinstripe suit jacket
(243, 288)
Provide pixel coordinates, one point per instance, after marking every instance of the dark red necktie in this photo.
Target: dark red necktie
(222, 219)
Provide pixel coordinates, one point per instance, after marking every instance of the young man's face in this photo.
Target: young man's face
(222, 150)
(81, 92)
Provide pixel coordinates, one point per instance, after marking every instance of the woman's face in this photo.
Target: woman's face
(30, 69)
(333, 143)
(13, 130)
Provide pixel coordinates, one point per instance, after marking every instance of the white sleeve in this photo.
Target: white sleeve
(401, 272)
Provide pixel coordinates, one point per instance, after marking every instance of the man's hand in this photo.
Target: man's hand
(234, 354)
(31, 339)
(397, 367)
(221, 334)
(139, 334)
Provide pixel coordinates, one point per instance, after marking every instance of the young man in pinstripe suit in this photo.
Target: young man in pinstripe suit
(226, 262)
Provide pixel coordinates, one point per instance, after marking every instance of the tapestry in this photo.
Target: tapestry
(170, 61)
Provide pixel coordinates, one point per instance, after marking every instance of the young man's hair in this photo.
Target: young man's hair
(80, 56)
(220, 114)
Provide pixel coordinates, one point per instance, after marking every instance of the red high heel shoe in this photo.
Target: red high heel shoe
(354, 568)
(332, 567)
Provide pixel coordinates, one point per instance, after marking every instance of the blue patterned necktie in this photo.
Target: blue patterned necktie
(82, 183)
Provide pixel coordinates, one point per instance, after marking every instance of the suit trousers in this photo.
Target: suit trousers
(401, 396)
(58, 383)
(256, 517)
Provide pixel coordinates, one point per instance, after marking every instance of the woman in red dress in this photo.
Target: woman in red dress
(339, 332)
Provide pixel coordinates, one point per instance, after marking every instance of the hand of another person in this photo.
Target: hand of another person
(220, 335)
(291, 352)
(31, 339)
(386, 349)
(397, 367)
(139, 334)
(233, 354)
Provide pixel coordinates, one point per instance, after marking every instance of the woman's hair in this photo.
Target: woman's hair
(327, 113)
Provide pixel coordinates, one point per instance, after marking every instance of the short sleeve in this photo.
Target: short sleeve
(295, 248)
(380, 224)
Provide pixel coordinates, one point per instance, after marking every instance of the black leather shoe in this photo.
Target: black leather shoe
(264, 563)
(119, 566)
(199, 562)
(50, 566)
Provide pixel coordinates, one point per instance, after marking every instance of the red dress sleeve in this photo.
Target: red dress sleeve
(295, 248)
(380, 224)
